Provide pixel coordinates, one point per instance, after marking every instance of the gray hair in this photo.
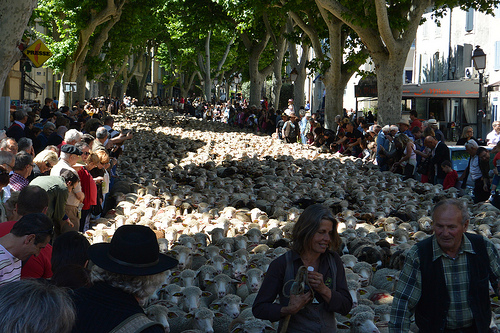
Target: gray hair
(20, 114)
(49, 124)
(6, 157)
(64, 156)
(22, 160)
(140, 286)
(101, 133)
(495, 123)
(25, 144)
(460, 205)
(81, 145)
(471, 143)
(5, 142)
(37, 307)
(72, 136)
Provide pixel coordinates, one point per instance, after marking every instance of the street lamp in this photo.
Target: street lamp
(237, 80)
(479, 58)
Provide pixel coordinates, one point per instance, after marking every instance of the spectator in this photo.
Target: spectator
(31, 199)
(35, 307)
(23, 167)
(16, 130)
(43, 163)
(415, 122)
(496, 177)
(27, 237)
(69, 156)
(101, 136)
(451, 175)
(476, 175)
(47, 109)
(43, 138)
(126, 272)
(26, 144)
(440, 153)
(467, 134)
(493, 137)
(56, 138)
(89, 188)
(434, 125)
(9, 144)
(58, 189)
(69, 261)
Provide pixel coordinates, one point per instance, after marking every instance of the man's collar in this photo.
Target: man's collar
(437, 252)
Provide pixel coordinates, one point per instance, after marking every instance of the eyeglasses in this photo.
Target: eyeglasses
(48, 165)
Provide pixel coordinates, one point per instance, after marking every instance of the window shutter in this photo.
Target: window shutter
(497, 56)
(469, 20)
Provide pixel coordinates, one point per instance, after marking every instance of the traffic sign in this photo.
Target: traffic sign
(38, 53)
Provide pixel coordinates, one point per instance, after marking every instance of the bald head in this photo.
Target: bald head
(430, 142)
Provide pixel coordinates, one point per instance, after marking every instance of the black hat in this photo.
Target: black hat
(133, 250)
(70, 149)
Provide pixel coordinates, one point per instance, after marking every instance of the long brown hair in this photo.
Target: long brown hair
(309, 223)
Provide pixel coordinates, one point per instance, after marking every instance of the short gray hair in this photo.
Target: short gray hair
(101, 133)
(140, 286)
(20, 114)
(37, 307)
(6, 157)
(460, 205)
(22, 160)
(24, 144)
(49, 124)
(72, 136)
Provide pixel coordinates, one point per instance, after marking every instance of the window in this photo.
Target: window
(469, 20)
(497, 56)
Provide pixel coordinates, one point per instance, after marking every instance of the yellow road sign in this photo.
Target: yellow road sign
(38, 53)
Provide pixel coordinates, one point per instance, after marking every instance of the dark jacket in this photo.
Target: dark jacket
(15, 131)
(442, 154)
(432, 308)
(264, 306)
(101, 308)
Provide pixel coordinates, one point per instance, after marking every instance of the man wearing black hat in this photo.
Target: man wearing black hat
(126, 272)
(69, 156)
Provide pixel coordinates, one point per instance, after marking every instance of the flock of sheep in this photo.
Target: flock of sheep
(224, 202)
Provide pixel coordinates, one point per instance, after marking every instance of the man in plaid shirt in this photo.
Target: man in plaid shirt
(445, 279)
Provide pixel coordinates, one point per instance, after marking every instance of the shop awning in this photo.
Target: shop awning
(443, 89)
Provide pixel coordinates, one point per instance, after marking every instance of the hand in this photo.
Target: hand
(68, 221)
(486, 188)
(316, 281)
(296, 303)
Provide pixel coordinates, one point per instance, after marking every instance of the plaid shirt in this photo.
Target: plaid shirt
(409, 287)
(18, 182)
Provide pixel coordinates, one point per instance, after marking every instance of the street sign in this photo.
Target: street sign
(38, 53)
(69, 86)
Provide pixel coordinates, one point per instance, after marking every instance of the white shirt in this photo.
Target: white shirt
(10, 267)
(492, 138)
(474, 171)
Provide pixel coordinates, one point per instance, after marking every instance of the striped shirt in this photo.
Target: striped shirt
(409, 287)
(10, 267)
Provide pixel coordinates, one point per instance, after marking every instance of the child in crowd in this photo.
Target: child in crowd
(451, 175)
(496, 167)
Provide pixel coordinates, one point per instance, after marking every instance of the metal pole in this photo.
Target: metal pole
(480, 108)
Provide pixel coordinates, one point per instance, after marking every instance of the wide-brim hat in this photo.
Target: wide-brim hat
(432, 122)
(133, 250)
(405, 122)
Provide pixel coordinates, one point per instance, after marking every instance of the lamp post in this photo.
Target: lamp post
(236, 81)
(479, 58)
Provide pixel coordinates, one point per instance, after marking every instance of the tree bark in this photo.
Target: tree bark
(14, 17)
(147, 68)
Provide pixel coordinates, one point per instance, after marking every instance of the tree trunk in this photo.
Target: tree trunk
(147, 68)
(298, 86)
(81, 81)
(334, 97)
(390, 72)
(14, 19)
(256, 80)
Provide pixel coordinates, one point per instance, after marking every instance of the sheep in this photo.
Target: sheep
(425, 224)
(238, 268)
(385, 279)
(191, 298)
(186, 278)
(160, 314)
(198, 319)
(167, 293)
(349, 260)
(184, 255)
(365, 270)
(253, 281)
(219, 263)
(221, 285)
(254, 236)
(363, 322)
(229, 305)
(204, 273)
